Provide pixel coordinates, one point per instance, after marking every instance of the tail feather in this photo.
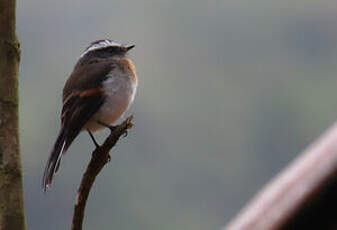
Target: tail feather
(62, 143)
(54, 159)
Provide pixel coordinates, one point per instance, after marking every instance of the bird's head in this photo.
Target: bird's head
(106, 48)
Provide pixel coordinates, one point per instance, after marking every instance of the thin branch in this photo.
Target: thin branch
(301, 196)
(100, 157)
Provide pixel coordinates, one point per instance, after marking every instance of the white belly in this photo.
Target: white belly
(120, 93)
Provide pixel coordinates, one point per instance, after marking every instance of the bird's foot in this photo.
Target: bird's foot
(126, 132)
(111, 127)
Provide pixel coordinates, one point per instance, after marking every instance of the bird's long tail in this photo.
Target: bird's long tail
(53, 162)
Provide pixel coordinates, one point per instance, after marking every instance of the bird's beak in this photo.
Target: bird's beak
(129, 47)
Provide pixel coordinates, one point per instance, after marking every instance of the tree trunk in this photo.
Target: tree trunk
(11, 189)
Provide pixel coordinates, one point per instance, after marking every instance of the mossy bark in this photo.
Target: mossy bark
(11, 188)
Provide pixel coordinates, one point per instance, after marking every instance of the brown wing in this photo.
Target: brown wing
(77, 110)
(82, 97)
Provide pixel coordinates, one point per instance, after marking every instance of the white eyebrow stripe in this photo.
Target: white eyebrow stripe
(102, 44)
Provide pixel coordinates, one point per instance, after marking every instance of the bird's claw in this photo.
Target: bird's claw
(111, 127)
(126, 132)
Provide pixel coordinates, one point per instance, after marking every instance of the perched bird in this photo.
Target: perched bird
(100, 89)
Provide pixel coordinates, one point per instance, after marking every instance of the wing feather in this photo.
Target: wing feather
(82, 97)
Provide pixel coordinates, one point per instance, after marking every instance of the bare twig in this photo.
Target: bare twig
(300, 197)
(100, 157)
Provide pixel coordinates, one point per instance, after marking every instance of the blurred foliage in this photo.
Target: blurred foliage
(230, 92)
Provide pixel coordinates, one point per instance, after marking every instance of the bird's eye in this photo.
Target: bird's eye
(113, 50)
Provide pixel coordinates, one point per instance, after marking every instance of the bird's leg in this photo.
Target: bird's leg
(93, 138)
(111, 127)
(96, 144)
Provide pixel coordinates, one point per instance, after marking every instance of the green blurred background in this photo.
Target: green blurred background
(229, 93)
